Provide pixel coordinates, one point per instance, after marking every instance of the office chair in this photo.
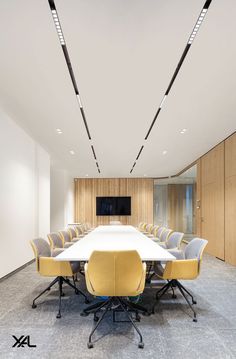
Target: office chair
(186, 268)
(158, 233)
(65, 235)
(174, 240)
(72, 232)
(56, 241)
(118, 275)
(48, 267)
(165, 234)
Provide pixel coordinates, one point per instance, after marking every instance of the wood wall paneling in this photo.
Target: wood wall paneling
(212, 200)
(230, 200)
(140, 190)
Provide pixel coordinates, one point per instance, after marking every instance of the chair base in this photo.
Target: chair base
(171, 285)
(60, 280)
(113, 303)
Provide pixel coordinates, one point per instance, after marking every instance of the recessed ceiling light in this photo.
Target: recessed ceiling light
(86, 175)
(59, 131)
(72, 152)
(183, 130)
(164, 152)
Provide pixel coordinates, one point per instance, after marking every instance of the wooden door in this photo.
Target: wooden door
(212, 200)
(230, 200)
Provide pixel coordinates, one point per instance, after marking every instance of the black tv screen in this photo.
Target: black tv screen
(113, 206)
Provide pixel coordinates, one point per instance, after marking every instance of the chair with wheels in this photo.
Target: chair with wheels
(115, 275)
(48, 267)
(187, 268)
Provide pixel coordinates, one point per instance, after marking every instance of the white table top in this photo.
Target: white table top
(115, 238)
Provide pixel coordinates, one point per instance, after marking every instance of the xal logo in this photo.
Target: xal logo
(22, 341)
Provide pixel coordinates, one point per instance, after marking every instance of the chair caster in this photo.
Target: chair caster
(146, 314)
(194, 302)
(86, 301)
(58, 315)
(63, 294)
(90, 345)
(96, 318)
(34, 306)
(137, 318)
(84, 314)
(141, 345)
(153, 311)
(76, 292)
(195, 320)
(174, 296)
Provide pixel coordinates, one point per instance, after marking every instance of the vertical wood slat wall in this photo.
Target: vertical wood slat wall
(140, 190)
(216, 199)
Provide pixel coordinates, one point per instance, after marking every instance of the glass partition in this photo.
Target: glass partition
(174, 202)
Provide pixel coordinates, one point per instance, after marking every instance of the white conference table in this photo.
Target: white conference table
(105, 238)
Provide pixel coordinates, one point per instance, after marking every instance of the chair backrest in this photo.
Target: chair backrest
(55, 240)
(140, 226)
(149, 227)
(165, 234)
(73, 233)
(174, 240)
(115, 273)
(41, 248)
(194, 249)
(65, 236)
(154, 230)
(159, 231)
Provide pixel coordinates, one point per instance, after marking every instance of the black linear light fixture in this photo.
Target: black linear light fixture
(180, 63)
(71, 72)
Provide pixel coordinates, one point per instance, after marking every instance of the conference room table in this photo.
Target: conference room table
(111, 238)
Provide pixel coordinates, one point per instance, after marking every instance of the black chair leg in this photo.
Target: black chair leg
(163, 290)
(190, 305)
(184, 289)
(90, 343)
(93, 308)
(77, 291)
(140, 344)
(44, 291)
(136, 307)
(60, 295)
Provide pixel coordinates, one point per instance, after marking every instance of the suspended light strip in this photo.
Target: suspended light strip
(197, 26)
(58, 27)
(187, 47)
(70, 69)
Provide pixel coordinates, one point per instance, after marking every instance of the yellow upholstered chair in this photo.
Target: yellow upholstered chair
(186, 267)
(66, 237)
(73, 233)
(118, 275)
(173, 241)
(48, 267)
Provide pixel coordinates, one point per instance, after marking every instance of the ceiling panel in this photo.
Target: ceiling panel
(123, 54)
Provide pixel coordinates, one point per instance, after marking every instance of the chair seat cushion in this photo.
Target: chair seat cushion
(68, 244)
(55, 252)
(162, 244)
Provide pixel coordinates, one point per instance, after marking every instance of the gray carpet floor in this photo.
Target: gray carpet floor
(169, 333)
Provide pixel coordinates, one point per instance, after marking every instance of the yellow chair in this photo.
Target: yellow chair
(118, 275)
(48, 267)
(186, 267)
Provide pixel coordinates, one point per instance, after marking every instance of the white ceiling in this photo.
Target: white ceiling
(123, 54)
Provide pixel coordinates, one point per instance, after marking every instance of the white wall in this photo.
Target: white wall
(62, 199)
(24, 194)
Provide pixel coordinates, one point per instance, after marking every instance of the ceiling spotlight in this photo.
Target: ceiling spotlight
(86, 175)
(164, 152)
(59, 131)
(183, 130)
(72, 152)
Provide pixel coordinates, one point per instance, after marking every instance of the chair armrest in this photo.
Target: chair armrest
(181, 269)
(141, 286)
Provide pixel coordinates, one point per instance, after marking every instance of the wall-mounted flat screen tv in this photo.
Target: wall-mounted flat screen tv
(113, 206)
